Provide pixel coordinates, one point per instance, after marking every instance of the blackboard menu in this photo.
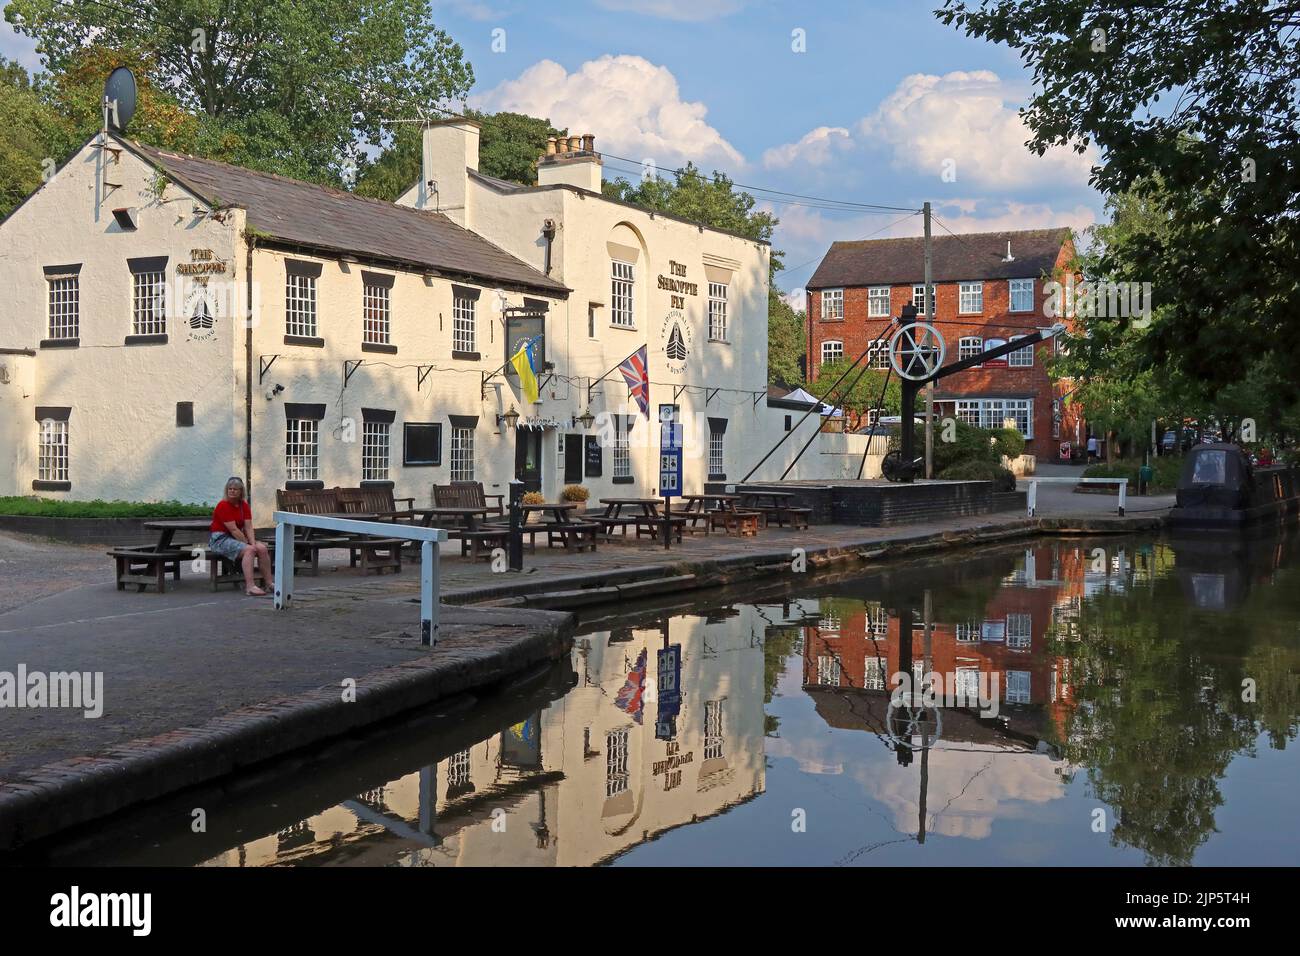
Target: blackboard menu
(595, 459)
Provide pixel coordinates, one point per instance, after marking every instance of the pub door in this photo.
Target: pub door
(528, 458)
(573, 459)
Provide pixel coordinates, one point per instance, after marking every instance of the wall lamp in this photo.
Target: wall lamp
(585, 419)
(510, 418)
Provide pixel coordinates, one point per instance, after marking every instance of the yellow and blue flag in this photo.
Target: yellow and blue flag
(525, 363)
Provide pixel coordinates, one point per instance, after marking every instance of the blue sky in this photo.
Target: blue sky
(883, 101)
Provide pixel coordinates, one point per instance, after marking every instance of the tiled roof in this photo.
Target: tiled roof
(334, 221)
(980, 255)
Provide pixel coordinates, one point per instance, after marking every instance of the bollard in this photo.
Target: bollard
(516, 526)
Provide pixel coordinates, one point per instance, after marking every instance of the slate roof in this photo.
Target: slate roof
(337, 222)
(979, 255)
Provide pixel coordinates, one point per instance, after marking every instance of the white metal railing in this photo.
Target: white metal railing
(429, 538)
(1033, 489)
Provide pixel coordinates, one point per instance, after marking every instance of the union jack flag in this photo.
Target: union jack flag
(636, 372)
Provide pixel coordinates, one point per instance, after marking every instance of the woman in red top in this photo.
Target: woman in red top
(232, 537)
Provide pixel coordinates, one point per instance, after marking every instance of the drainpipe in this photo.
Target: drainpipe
(548, 233)
(248, 369)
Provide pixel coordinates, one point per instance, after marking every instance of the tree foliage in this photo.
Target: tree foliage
(1192, 105)
(296, 88)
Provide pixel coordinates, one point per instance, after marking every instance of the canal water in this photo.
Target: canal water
(1114, 701)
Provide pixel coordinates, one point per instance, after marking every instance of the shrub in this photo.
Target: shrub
(1002, 478)
(1008, 442)
(54, 508)
(533, 498)
(574, 493)
(1167, 469)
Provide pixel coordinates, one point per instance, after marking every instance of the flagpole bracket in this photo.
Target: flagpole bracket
(350, 367)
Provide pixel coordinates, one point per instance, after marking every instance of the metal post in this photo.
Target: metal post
(1123, 487)
(908, 423)
(516, 526)
(928, 304)
(1033, 497)
(429, 593)
(283, 565)
(668, 522)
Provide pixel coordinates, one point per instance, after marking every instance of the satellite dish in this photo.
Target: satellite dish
(119, 99)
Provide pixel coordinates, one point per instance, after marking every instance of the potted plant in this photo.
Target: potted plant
(532, 498)
(575, 493)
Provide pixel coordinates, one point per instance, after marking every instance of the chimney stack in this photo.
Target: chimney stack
(573, 162)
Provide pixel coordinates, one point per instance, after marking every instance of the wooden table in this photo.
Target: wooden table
(149, 565)
(569, 531)
(777, 506)
(465, 517)
(169, 526)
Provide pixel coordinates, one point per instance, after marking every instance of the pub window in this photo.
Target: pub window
(622, 447)
(421, 443)
(64, 301)
(591, 319)
(616, 777)
(374, 450)
(714, 738)
(52, 456)
(717, 437)
(463, 337)
(149, 303)
(622, 283)
(376, 325)
(302, 449)
(462, 454)
(718, 311)
(300, 300)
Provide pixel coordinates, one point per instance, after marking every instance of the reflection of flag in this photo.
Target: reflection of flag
(636, 372)
(525, 363)
(631, 696)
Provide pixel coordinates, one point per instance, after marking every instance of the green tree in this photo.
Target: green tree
(296, 88)
(861, 391)
(785, 341)
(28, 136)
(1193, 106)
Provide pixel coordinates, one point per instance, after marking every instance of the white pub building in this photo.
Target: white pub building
(171, 321)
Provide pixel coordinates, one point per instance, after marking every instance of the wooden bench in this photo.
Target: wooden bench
(221, 570)
(694, 519)
(476, 544)
(144, 567)
(466, 494)
(378, 501)
(608, 524)
(742, 523)
(376, 554)
(649, 525)
(581, 533)
(798, 517)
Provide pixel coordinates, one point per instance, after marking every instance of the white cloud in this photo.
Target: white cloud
(695, 10)
(815, 148)
(971, 120)
(633, 107)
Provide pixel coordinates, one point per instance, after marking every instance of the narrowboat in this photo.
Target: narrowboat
(1219, 488)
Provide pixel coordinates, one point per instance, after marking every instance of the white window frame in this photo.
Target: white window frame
(52, 451)
(918, 298)
(1023, 288)
(875, 673)
(622, 294)
(878, 354)
(616, 749)
(718, 312)
(829, 670)
(376, 448)
(1020, 630)
(992, 412)
(461, 455)
(149, 303)
(300, 305)
(837, 351)
(967, 632)
(968, 346)
(714, 732)
(622, 453)
(464, 321)
(1019, 687)
(64, 311)
(376, 314)
(968, 686)
(1020, 358)
(832, 303)
(717, 451)
(302, 449)
(970, 298)
(878, 302)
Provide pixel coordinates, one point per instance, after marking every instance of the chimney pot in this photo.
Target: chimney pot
(575, 143)
(589, 142)
(550, 146)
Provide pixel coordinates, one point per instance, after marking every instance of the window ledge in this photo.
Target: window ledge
(311, 341)
(623, 480)
(720, 341)
(834, 319)
(466, 356)
(421, 464)
(716, 477)
(60, 343)
(39, 485)
(304, 485)
(623, 328)
(376, 483)
(379, 347)
(157, 339)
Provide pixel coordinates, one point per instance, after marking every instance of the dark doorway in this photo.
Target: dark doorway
(528, 458)
(573, 459)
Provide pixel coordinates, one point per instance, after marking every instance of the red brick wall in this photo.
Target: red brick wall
(996, 320)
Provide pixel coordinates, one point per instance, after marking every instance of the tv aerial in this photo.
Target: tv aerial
(119, 99)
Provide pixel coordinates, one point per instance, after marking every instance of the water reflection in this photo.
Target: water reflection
(1126, 674)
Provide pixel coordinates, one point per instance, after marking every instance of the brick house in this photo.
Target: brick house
(989, 288)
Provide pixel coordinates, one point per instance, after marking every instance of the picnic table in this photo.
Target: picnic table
(646, 522)
(775, 505)
(476, 537)
(463, 516)
(145, 565)
(697, 508)
(561, 525)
